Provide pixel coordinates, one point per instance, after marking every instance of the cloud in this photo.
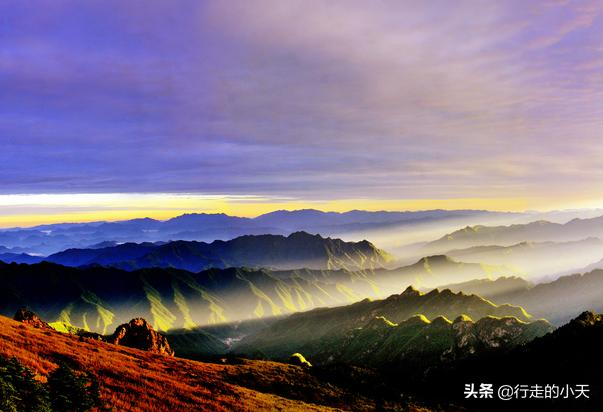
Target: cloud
(566, 18)
(321, 100)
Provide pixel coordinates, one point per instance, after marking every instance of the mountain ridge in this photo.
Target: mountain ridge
(304, 332)
(558, 301)
(507, 235)
(536, 259)
(96, 298)
(566, 355)
(51, 238)
(298, 250)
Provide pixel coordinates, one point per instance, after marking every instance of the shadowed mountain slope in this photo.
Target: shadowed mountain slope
(536, 259)
(99, 298)
(567, 356)
(104, 256)
(432, 271)
(489, 288)
(309, 332)
(20, 258)
(297, 250)
(538, 231)
(420, 342)
(558, 301)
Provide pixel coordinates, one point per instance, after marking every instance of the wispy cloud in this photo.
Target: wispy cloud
(315, 100)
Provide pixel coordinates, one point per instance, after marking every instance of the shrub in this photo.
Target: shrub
(66, 390)
(8, 396)
(71, 391)
(19, 390)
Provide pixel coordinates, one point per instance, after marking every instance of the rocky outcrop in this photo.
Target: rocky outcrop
(586, 319)
(139, 334)
(493, 333)
(28, 317)
(420, 343)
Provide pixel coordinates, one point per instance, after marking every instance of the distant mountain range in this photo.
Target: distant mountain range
(558, 301)
(536, 259)
(48, 239)
(538, 231)
(432, 271)
(488, 287)
(298, 250)
(20, 258)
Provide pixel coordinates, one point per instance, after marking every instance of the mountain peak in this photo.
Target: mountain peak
(588, 318)
(411, 291)
(462, 318)
(441, 321)
(295, 212)
(301, 234)
(437, 259)
(418, 319)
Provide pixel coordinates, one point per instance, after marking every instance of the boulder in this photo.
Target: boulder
(139, 334)
(28, 317)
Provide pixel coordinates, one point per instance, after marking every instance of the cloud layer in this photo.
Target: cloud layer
(315, 100)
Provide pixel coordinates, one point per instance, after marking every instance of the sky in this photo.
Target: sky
(112, 109)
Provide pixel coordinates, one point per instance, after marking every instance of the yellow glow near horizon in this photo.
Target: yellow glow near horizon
(30, 210)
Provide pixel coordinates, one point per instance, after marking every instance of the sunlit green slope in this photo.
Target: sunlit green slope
(99, 298)
(393, 327)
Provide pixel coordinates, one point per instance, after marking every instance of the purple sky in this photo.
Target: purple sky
(308, 99)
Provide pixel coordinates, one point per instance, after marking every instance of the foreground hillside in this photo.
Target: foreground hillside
(135, 380)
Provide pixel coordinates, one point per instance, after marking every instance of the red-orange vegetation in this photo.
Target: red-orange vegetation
(135, 380)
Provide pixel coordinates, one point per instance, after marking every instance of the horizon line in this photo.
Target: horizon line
(201, 212)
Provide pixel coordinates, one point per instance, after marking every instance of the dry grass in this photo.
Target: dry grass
(133, 380)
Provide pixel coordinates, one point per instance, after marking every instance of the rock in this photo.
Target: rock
(30, 318)
(588, 319)
(491, 333)
(139, 334)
